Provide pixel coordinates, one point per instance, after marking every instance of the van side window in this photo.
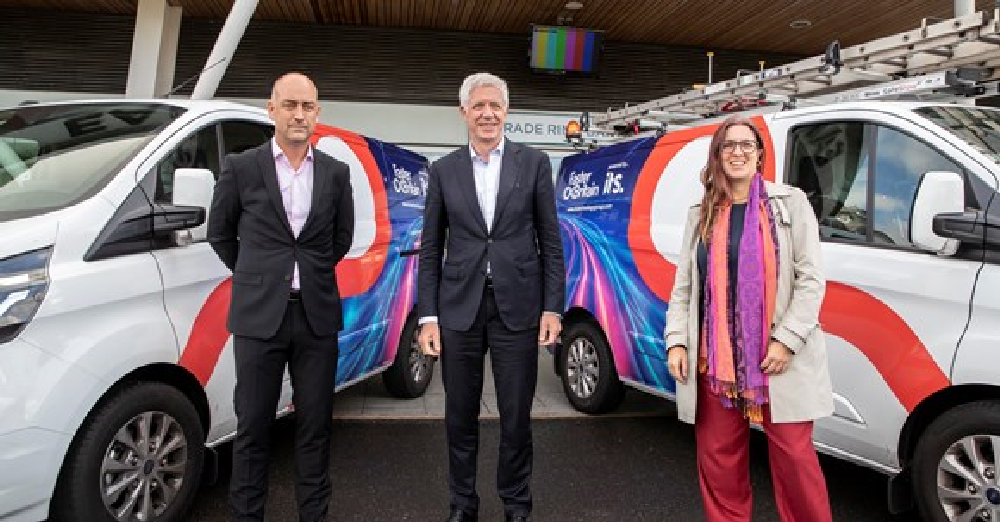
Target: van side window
(861, 179)
(900, 162)
(830, 164)
(199, 150)
(238, 136)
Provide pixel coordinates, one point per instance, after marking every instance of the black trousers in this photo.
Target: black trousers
(260, 365)
(514, 356)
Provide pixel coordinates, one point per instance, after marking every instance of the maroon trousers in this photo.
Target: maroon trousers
(722, 436)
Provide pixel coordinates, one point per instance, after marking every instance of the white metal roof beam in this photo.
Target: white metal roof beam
(224, 49)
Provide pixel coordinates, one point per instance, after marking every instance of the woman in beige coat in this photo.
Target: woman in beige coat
(743, 336)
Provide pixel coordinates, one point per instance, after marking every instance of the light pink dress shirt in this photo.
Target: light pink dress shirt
(296, 192)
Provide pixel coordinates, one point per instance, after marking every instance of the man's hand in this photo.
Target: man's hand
(677, 363)
(778, 358)
(430, 339)
(548, 329)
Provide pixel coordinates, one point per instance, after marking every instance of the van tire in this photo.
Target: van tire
(411, 371)
(968, 422)
(587, 370)
(78, 495)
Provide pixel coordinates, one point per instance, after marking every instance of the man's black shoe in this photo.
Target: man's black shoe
(457, 515)
(517, 518)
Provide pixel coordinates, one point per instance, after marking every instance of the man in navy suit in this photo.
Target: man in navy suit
(490, 216)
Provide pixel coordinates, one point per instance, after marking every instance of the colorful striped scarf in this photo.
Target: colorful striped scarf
(735, 335)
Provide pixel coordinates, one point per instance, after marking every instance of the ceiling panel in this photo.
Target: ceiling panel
(749, 24)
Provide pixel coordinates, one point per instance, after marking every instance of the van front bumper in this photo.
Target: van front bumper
(28, 466)
(34, 431)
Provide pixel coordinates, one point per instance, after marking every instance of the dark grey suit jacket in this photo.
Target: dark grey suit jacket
(524, 247)
(249, 230)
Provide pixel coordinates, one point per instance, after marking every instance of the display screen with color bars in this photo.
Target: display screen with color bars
(565, 49)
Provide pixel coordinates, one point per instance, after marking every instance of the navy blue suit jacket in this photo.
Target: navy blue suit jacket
(523, 247)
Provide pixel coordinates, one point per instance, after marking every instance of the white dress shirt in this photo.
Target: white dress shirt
(487, 175)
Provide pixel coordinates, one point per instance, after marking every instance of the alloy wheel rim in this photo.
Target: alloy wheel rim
(582, 368)
(967, 486)
(418, 363)
(144, 467)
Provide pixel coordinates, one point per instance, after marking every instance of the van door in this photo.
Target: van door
(196, 283)
(893, 314)
(372, 276)
(596, 200)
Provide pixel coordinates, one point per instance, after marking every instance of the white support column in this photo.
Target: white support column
(168, 50)
(225, 47)
(964, 7)
(146, 41)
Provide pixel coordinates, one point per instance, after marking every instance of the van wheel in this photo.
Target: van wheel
(956, 465)
(588, 372)
(411, 372)
(137, 458)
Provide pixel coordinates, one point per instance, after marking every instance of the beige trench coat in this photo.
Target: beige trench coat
(803, 391)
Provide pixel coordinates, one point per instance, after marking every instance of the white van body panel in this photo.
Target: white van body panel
(103, 319)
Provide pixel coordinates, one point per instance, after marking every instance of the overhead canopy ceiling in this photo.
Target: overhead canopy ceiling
(762, 25)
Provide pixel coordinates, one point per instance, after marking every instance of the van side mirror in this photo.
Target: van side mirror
(193, 188)
(939, 192)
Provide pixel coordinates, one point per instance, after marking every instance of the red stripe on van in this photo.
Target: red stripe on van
(885, 339)
(208, 334)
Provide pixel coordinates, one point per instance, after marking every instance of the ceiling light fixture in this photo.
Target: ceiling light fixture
(573, 6)
(800, 24)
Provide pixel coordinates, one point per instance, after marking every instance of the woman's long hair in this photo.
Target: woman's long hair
(718, 187)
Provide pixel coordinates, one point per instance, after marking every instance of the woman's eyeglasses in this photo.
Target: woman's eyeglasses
(745, 146)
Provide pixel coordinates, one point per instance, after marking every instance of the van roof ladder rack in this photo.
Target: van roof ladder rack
(946, 60)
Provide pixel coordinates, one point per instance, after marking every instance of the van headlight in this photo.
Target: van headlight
(24, 279)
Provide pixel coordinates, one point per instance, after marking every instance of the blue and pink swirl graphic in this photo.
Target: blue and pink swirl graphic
(377, 280)
(594, 194)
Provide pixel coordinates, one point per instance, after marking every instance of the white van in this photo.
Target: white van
(116, 369)
(908, 209)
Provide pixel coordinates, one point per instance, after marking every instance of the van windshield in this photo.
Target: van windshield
(977, 126)
(54, 156)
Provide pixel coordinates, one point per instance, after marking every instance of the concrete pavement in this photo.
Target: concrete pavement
(368, 399)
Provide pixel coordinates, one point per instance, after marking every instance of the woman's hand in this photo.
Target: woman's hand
(778, 358)
(677, 363)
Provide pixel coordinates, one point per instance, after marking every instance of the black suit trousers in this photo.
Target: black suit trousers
(514, 357)
(260, 364)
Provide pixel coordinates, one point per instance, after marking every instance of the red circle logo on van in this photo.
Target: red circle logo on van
(654, 270)
(356, 274)
(859, 318)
